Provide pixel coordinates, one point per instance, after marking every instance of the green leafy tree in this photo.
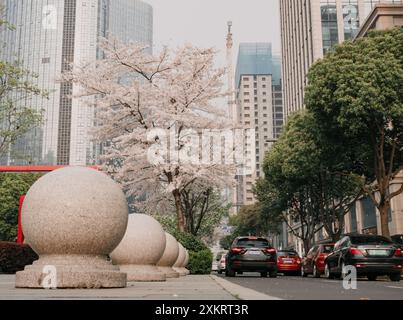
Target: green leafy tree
(355, 94)
(302, 182)
(12, 186)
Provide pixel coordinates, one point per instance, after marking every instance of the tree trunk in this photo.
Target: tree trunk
(307, 246)
(179, 210)
(383, 211)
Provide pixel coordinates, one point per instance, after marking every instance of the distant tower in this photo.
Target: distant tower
(230, 74)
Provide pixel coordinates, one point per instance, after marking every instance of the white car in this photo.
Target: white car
(221, 264)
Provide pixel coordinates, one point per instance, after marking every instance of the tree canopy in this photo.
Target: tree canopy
(355, 93)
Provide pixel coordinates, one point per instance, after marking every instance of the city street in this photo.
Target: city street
(298, 288)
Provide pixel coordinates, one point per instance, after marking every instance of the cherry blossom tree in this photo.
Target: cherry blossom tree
(157, 119)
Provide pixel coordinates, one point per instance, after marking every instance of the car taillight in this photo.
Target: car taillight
(270, 250)
(298, 260)
(237, 250)
(398, 252)
(356, 252)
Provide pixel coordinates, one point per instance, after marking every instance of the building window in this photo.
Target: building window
(350, 18)
(329, 24)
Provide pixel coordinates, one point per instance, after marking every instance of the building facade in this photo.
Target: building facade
(259, 108)
(309, 28)
(48, 36)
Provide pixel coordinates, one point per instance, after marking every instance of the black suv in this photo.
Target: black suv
(251, 254)
(371, 255)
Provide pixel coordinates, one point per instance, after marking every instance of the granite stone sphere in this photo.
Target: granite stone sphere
(186, 262)
(73, 218)
(169, 257)
(141, 248)
(179, 262)
(74, 210)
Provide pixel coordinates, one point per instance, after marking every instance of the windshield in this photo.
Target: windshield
(327, 249)
(370, 240)
(252, 243)
(398, 239)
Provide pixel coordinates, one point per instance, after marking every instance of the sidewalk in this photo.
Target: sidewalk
(206, 287)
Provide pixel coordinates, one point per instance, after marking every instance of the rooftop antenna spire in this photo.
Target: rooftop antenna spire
(230, 74)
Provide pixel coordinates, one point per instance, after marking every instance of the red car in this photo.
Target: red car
(314, 262)
(288, 262)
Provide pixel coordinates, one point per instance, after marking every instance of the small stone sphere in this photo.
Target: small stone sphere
(143, 244)
(181, 256)
(171, 252)
(74, 210)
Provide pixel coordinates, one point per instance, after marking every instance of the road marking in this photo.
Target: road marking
(395, 287)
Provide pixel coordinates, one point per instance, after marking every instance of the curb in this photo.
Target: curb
(240, 292)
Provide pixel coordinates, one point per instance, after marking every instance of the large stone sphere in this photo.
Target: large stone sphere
(169, 257)
(74, 210)
(179, 262)
(73, 218)
(186, 262)
(141, 248)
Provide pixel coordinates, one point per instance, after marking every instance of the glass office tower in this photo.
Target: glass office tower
(309, 29)
(48, 36)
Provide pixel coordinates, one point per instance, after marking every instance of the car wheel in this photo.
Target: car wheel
(315, 272)
(328, 274)
(372, 277)
(395, 277)
(273, 274)
(263, 274)
(220, 272)
(303, 274)
(230, 273)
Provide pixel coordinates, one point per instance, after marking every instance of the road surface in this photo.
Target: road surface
(298, 288)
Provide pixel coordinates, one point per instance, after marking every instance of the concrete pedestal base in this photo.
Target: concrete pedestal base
(182, 271)
(142, 273)
(71, 271)
(169, 272)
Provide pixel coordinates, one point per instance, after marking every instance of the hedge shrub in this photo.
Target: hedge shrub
(200, 262)
(14, 257)
(200, 256)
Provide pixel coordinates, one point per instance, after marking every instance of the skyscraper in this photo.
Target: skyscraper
(259, 107)
(309, 28)
(48, 36)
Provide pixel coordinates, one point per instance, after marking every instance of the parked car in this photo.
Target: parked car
(251, 254)
(371, 255)
(314, 261)
(221, 264)
(398, 239)
(216, 262)
(288, 262)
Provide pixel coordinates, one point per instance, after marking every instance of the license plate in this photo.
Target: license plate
(287, 261)
(378, 252)
(255, 253)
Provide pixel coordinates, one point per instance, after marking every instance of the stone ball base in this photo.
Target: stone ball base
(142, 273)
(182, 271)
(70, 272)
(169, 272)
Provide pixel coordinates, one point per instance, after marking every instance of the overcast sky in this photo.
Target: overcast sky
(204, 23)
